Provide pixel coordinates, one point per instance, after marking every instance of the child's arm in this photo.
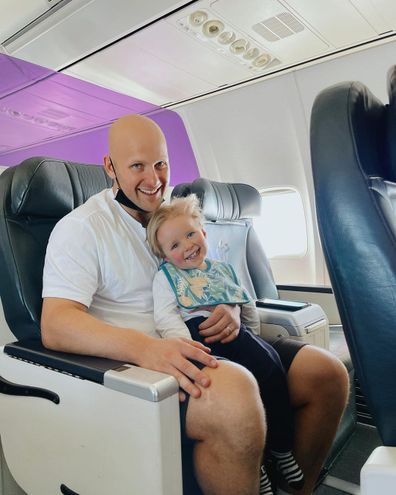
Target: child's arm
(168, 321)
(249, 314)
(250, 317)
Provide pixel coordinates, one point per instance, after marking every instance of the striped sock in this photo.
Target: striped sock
(290, 470)
(265, 484)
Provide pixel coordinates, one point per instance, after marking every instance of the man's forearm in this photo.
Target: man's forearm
(68, 327)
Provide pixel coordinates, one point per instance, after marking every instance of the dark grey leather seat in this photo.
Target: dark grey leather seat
(35, 195)
(353, 147)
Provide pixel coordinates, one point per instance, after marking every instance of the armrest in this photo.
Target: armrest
(300, 320)
(281, 304)
(102, 426)
(378, 475)
(117, 375)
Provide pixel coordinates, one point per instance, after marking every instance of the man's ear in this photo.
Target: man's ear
(108, 166)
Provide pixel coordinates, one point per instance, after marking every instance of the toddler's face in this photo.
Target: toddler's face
(183, 241)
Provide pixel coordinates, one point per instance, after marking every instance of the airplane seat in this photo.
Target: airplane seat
(229, 209)
(39, 193)
(391, 124)
(71, 424)
(352, 143)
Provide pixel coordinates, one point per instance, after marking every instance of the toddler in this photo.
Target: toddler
(187, 287)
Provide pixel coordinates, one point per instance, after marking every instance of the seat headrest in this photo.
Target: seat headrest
(223, 201)
(49, 188)
(392, 85)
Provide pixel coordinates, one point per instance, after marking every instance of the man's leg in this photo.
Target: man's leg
(228, 423)
(318, 387)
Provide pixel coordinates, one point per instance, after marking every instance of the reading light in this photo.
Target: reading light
(262, 60)
(251, 53)
(198, 17)
(218, 35)
(226, 37)
(211, 29)
(239, 46)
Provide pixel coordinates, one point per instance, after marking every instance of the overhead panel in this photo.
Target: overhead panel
(15, 14)
(38, 105)
(161, 64)
(82, 26)
(274, 27)
(223, 40)
(337, 21)
(380, 13)
(205, 46)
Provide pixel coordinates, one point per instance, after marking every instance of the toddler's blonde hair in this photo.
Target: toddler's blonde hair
(188, 205)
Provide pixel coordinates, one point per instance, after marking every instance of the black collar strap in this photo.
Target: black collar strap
(121, 197)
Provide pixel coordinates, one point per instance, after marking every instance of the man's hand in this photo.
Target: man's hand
(173, 356)
(222, 325)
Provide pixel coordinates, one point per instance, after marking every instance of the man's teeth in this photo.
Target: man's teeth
(150, 192)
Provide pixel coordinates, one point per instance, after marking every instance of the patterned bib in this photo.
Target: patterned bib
(194, 288)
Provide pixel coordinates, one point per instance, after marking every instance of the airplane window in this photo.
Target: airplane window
(281, 226)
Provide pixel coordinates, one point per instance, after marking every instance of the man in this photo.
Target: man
(97, 301)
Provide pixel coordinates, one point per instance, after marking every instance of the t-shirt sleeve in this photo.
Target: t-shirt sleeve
(71, 268)
(168, 321)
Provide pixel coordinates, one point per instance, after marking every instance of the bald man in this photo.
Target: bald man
(97, 300)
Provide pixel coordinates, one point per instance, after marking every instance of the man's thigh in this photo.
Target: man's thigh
(287, 350)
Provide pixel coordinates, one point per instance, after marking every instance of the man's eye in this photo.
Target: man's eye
(161, 165)
(136, 166)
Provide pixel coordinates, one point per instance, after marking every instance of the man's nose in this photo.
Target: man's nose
(152, 176)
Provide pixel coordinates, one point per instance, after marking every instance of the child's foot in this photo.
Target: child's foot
(265, 484)
(290, 470)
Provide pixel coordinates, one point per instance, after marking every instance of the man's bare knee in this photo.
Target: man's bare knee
(231, 409)
(316, 374)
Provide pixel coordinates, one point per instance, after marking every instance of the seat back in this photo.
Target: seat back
(228, 210)
(33, 197)
(351, 149)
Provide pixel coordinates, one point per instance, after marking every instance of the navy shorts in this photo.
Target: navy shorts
(287, 350)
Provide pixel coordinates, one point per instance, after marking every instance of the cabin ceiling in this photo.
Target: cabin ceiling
(158, 51)
(166, 53)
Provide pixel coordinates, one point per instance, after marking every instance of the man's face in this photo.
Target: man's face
(141, 165)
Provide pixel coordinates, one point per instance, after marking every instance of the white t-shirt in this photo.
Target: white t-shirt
(98, 256)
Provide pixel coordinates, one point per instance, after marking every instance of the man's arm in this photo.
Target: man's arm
(67, 326)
